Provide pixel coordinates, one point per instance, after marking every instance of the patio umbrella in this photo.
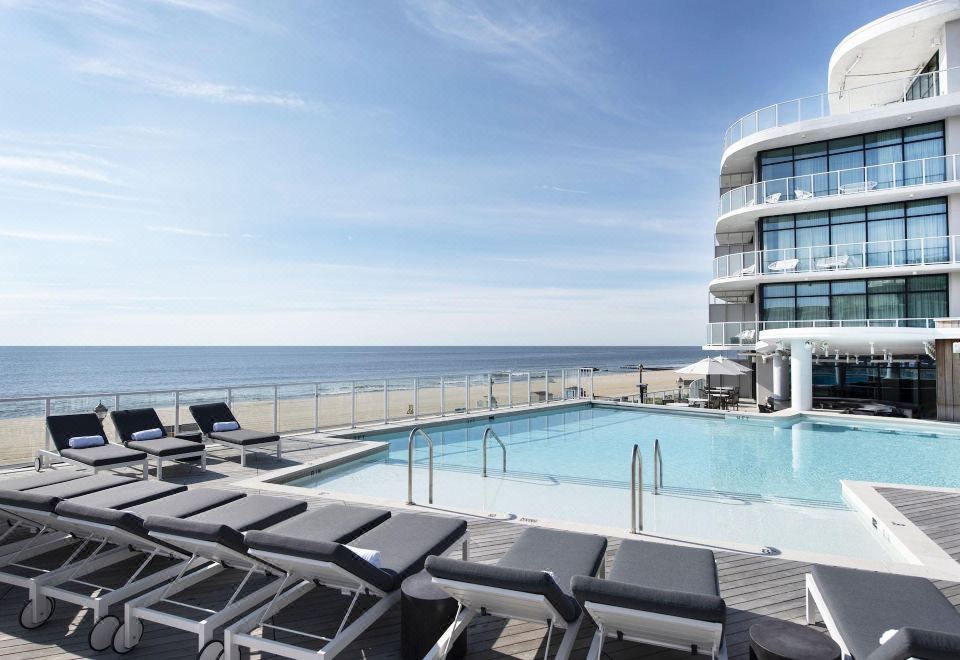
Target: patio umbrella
(713, 367)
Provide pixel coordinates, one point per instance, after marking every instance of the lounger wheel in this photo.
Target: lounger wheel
(119, 637)
(38, 464)
(101, 635)
(46, 611)
(212, 650)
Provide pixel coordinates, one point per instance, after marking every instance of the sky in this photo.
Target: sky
(409, 172)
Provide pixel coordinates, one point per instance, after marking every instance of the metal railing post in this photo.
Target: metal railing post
(466, 393)
(416, 398)
(441, 396)
(510, 389)
(386, 402)
(276, 409)
(316, 407)
(353, 404)
(546, 385)
(490, 391)
(529, 393)
(176, 412)
(46, 431)
(410, 440)
(230, 397)
(636, 494)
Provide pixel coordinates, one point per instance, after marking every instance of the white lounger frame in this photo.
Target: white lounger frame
(815, 603)
(261, 447)
(310, 573)
(662, 630)
(218, 559)
(475, 599)
(179, 458)
(46, 457)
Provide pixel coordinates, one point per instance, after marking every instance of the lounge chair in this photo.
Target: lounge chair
(82, 429)
(531, 582)
(839, 261)
(857, 187)
(772, 198)
(137, 421)
(784, 265)
(33, 567)
(746, 270)
(209, 416)
(217, 538)
(802, 194)
(858, 607)
(404, 543)
(657, 594)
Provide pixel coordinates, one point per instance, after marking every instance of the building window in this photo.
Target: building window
(898, 234)
(909, 384)
(886, 159)
(900, 301)
(927, 82)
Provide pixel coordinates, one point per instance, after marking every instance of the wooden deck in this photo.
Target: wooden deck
(754, 587)
(936, 513)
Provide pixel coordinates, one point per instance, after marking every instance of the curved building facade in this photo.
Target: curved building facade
(837, 251)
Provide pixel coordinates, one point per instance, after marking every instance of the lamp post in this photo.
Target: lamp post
(100, 411)
(679, 388)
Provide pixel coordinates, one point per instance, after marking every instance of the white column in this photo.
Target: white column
(801, 376)
(779, 379)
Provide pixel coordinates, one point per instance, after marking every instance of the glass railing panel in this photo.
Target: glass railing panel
(428, 396)
(369, 402)
(187, 399)
(454, 393)
(23, 431)
(296, 404)
(811, 107)
(767, 118)
(501, 390)
(162, 402)
(555, 386)
(336, 404)
(788, 112)
(400, 395)
(480, 386)
(538, 387)
(253, 407)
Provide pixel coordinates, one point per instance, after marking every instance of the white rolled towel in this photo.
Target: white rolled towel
(219, 427)
(148, 434)
(369, 556)
(84, 441)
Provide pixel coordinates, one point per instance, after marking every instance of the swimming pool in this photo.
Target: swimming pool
(746, 481)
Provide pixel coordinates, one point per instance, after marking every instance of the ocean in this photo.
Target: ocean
(48, 371)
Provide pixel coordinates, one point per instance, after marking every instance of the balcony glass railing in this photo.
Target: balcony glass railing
(901, 90)
(746, 333)
(902, 174)
(844, 256)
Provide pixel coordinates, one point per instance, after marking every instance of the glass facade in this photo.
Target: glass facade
(867, 157)
(927, 82)
(917, 297)
(902, 233)
(908, 384)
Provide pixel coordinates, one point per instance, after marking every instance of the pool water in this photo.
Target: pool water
(757, 482)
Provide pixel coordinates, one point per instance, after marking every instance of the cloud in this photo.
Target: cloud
(565, 190)
(52, 237)
(186, 87)
(534, 48)
(184, 231)
(33, 164)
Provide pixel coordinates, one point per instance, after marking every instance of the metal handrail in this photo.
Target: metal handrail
(657, 467)
(489, 431)
(747, 332)
(636, 494)
(410, 440)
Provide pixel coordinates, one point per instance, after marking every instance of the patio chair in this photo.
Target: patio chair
(216, 422)
(859, 607)
(374, 564)
(79, 439)
(784, 265)
(773, 198)
(531, 582)
(658, 594)
(838, 261)
(142, 430)
(802, 194)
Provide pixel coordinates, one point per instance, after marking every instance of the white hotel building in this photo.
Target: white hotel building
(837, 258)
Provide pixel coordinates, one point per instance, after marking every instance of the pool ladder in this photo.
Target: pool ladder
(636, 484)
(488, 432)
(410, 447)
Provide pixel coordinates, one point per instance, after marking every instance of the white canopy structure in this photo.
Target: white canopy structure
(714, 366)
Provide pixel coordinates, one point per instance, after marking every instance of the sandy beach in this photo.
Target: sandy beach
(20, 437)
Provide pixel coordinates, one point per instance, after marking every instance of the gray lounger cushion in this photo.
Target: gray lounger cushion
(335, 523)
(659, 578)
(179, 505)
(46, 498)
(404, 543)
(522, 568)
(38, 479)
(109, 454)
(165, 446)
(244, 437)
(916, 643)
(225, 524)
(127, 495)
(866, 604)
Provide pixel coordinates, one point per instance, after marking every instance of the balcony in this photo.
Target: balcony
(768, 196)
(841, 257)
(746, 334)
(901, 90)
